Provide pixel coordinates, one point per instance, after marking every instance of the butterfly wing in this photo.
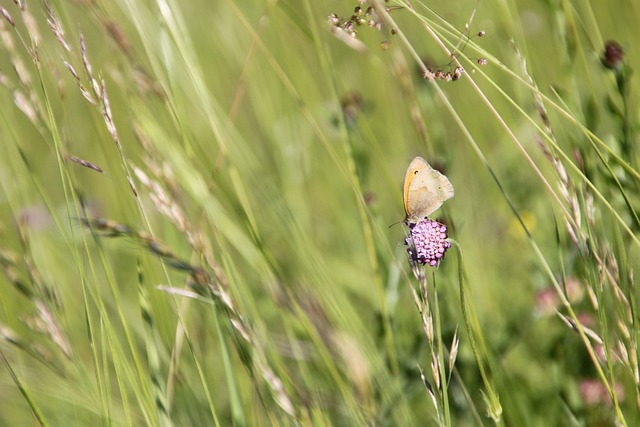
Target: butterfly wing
(425, 190)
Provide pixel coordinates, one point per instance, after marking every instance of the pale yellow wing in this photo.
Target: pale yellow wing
(425, 190)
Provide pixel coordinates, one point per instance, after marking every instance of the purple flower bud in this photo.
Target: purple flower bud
(613, 55)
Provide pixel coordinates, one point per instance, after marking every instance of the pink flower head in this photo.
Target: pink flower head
(427, 242)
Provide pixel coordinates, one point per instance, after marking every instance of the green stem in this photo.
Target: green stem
(444, 393)
(492, 400)
(622, 82)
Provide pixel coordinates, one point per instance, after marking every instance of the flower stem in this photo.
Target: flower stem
(492, 400)
(444, 394)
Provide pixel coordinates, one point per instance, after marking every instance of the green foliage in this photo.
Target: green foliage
(196, 200)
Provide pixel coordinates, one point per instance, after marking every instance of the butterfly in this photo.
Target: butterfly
(425, 190)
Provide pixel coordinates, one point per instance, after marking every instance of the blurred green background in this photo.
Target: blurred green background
(268, 154)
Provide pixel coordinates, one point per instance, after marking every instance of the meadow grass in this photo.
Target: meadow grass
(196, 200)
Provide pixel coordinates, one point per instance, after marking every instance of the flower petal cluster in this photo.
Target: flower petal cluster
(427, 242)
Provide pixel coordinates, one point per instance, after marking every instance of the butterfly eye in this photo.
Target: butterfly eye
(415, 172)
